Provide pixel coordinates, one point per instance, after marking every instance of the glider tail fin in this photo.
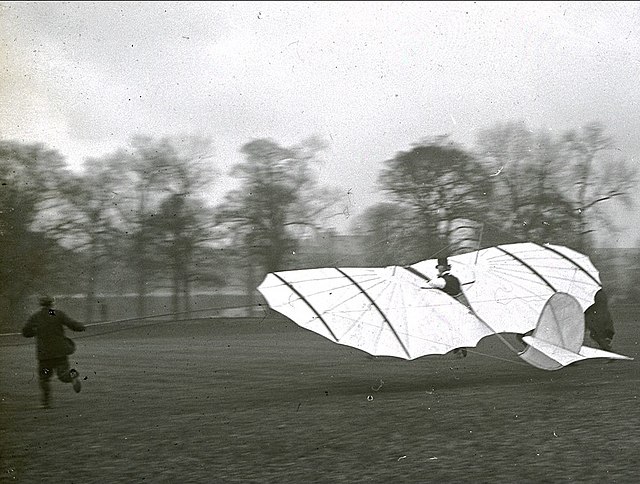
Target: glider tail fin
(557, 340)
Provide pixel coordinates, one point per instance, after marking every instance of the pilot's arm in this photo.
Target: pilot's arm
(437, 283)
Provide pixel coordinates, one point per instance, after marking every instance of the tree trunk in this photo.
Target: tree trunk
(175, 293)
(187, 294)
(90, 294)
(250, 288)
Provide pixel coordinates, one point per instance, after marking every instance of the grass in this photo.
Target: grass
(235, 400)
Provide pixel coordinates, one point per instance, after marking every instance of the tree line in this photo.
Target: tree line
(141, 218)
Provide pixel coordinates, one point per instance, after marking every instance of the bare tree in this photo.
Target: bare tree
(163, 210)
(440, 185)
(528, 202)
(278, 200)
(598, 177)
(30, 177)
(392, 235)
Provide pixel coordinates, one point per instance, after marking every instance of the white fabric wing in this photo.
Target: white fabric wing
(508, 285)
(383, 311)
(386, 310)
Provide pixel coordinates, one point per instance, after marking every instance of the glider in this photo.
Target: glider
(523, 288)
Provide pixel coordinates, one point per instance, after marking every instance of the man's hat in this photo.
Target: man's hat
(46, 301)
(442, 261)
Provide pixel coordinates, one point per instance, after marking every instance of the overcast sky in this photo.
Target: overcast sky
(371, 78)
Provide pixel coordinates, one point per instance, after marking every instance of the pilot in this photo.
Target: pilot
(450, 284)
(447, 282)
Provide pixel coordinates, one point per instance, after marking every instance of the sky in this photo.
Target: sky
(370, 78)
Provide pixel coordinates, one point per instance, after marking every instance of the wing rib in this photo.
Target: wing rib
(416, 272)
(572, 261)
(528, 267)
(373, 303)
(302, 298)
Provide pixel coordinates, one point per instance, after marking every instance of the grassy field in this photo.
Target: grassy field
(236, 400)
